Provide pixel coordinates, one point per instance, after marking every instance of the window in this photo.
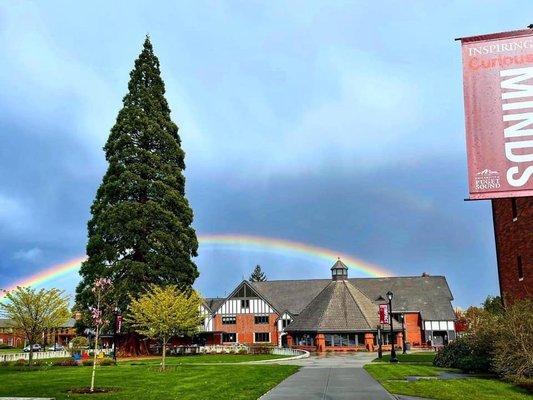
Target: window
(262, 337)
(515, 210)
(261, 319)
(231, 320)
(285, 323)
(229, 337)
(345, 339)
(520, 268)
(304, 340)
(245, 303)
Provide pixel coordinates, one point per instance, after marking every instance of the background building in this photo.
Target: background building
(513, 230)
(339, 313)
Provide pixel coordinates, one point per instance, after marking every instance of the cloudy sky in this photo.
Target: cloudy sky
(337, 125)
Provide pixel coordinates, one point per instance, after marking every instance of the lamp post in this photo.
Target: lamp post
(115, 327)
(403, 335)
(393, 358)
(380, 339)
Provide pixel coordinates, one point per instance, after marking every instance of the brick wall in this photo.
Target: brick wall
(514, 238)
(246, 327)
(413, 329)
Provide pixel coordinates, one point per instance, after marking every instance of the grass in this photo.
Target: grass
(417, 357)
(144, 381)
(208, 358)
(10, 351)
(392, 377)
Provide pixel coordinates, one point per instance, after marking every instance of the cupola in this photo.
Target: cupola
(339, 271)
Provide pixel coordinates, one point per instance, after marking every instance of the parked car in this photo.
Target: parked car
(36, 347)
(55, 347)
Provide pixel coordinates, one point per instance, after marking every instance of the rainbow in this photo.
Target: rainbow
(232, 242)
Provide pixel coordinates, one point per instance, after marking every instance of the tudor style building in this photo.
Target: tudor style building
(340, 313)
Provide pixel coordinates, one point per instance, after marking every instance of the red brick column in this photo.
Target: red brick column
(320, 342)
(369, 341)
(290, 342)
(399, 341)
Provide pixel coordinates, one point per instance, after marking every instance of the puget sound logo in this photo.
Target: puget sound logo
(487, 179)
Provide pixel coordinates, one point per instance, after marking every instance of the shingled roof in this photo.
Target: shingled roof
(429, 295)
(338, 307)
(213, 302)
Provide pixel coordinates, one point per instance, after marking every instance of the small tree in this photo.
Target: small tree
(494, 305)
(34, 311)
(257, 275)
(78, 344)
(100, 289)
(165, 311)
(513, 355)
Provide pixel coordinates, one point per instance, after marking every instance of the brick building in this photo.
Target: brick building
(13, 338)
(339, 313)
(513, 230)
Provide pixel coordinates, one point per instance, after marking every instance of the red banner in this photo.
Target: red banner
(498, 94)
(384, 314)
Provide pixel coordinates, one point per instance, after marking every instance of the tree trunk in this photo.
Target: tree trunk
(30, 360)
(164, 353)
(94, 357)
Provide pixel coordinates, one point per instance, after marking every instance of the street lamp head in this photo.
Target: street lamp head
(389, 295)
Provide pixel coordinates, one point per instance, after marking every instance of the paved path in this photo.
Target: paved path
(330, 377)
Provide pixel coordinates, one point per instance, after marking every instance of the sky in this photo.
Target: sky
(334, 124)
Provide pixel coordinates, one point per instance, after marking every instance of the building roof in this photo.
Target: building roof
(214, 302)
(339, 307)
(429, 295)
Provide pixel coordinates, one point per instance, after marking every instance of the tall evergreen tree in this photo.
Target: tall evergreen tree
(140, 230)
(257, 275)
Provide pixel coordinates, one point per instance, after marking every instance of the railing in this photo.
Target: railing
(285, 351)
(43, 355)
(37, 355)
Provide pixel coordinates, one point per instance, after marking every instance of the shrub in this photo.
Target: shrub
(20, 362)
(261, 349)
(87, 363)
(68, 362)
(78, 344)
(470, 353)
(513, 355)
(4, 364)
(106, 362)
(450, 355)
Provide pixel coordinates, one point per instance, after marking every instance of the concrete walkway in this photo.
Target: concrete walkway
(330, 377)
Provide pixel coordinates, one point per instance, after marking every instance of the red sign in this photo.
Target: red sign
(119, 323)
(498, 94)
(383, 313)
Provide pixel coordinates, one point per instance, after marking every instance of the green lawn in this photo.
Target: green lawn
(416, 357)
(185, 381)
(10, 351)
(207, 358)
(392, 377)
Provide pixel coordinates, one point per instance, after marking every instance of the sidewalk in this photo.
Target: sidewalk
(332, 377)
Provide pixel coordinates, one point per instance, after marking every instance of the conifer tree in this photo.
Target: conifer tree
(140, 230)
(257, 275)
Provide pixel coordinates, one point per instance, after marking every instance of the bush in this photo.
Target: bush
(513, 355)
(5, 346)
(87, 363)
(68, 362)
(261, 349)
(20, 362)
(465, 353)
(106, 362)
(78, 344)
(450, 355)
